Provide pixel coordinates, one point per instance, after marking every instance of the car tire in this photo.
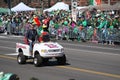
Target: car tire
(61, 60)
(14, 77)
(37, 60)
(21, 59)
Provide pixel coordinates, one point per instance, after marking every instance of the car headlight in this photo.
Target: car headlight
(44, 51)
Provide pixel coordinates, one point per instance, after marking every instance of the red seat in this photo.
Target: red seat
(25, 40)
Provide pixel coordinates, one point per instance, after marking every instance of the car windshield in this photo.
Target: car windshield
(46, 38)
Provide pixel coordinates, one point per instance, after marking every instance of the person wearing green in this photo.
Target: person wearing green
(75, 30)
(89, 32)
(79, 21)
(51, 23)
(102, 23)
(76, 33)
(84, 31)
(0, 21)
(56, 25)
(111, 34)
(115, 22)
(84, 23)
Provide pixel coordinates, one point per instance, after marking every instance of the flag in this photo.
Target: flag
(95, 2)
(36, 21)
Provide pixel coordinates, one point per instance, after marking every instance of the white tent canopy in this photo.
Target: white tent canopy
(82, 7)
(58, 6)
(22, 7)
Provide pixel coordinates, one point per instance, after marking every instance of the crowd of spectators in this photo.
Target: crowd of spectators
(91, 25)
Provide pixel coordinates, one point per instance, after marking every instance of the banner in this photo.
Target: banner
(95, 2)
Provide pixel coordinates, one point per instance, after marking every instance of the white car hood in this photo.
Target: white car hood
(50, 45)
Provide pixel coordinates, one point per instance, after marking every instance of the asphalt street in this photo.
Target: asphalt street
(85, 61)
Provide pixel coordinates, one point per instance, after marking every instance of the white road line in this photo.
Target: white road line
(13, 54)
(3, 37)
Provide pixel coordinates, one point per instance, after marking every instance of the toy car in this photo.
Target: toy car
(8, 76)
(41, 53)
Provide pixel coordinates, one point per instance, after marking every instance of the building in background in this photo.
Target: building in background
(49, 3)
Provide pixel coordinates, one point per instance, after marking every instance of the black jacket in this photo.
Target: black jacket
(31, 34)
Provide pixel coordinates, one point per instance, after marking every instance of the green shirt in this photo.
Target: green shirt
(84, 23)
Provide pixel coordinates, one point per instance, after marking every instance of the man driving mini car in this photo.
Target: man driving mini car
(31, 36)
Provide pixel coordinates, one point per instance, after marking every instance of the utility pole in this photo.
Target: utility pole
(9, 6)
(74, 10)
(42, 3)
(49, 2)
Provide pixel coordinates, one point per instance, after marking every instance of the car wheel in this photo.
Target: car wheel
(38, 60)
(21, 59)
(61, 60)
(14, 77)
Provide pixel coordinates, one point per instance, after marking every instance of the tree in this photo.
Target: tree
(49, 1)
(6, 1)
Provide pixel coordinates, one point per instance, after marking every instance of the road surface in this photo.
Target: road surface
(85, 61)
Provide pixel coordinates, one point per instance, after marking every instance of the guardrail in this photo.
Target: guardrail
(67, 33)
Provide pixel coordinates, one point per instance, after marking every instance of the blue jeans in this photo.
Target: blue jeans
(31, 45)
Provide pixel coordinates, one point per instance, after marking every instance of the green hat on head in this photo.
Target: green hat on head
(65, 23)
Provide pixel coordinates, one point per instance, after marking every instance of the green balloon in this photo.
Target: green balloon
(56, 25)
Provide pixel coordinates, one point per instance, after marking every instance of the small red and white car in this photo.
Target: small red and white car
(42, 52)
